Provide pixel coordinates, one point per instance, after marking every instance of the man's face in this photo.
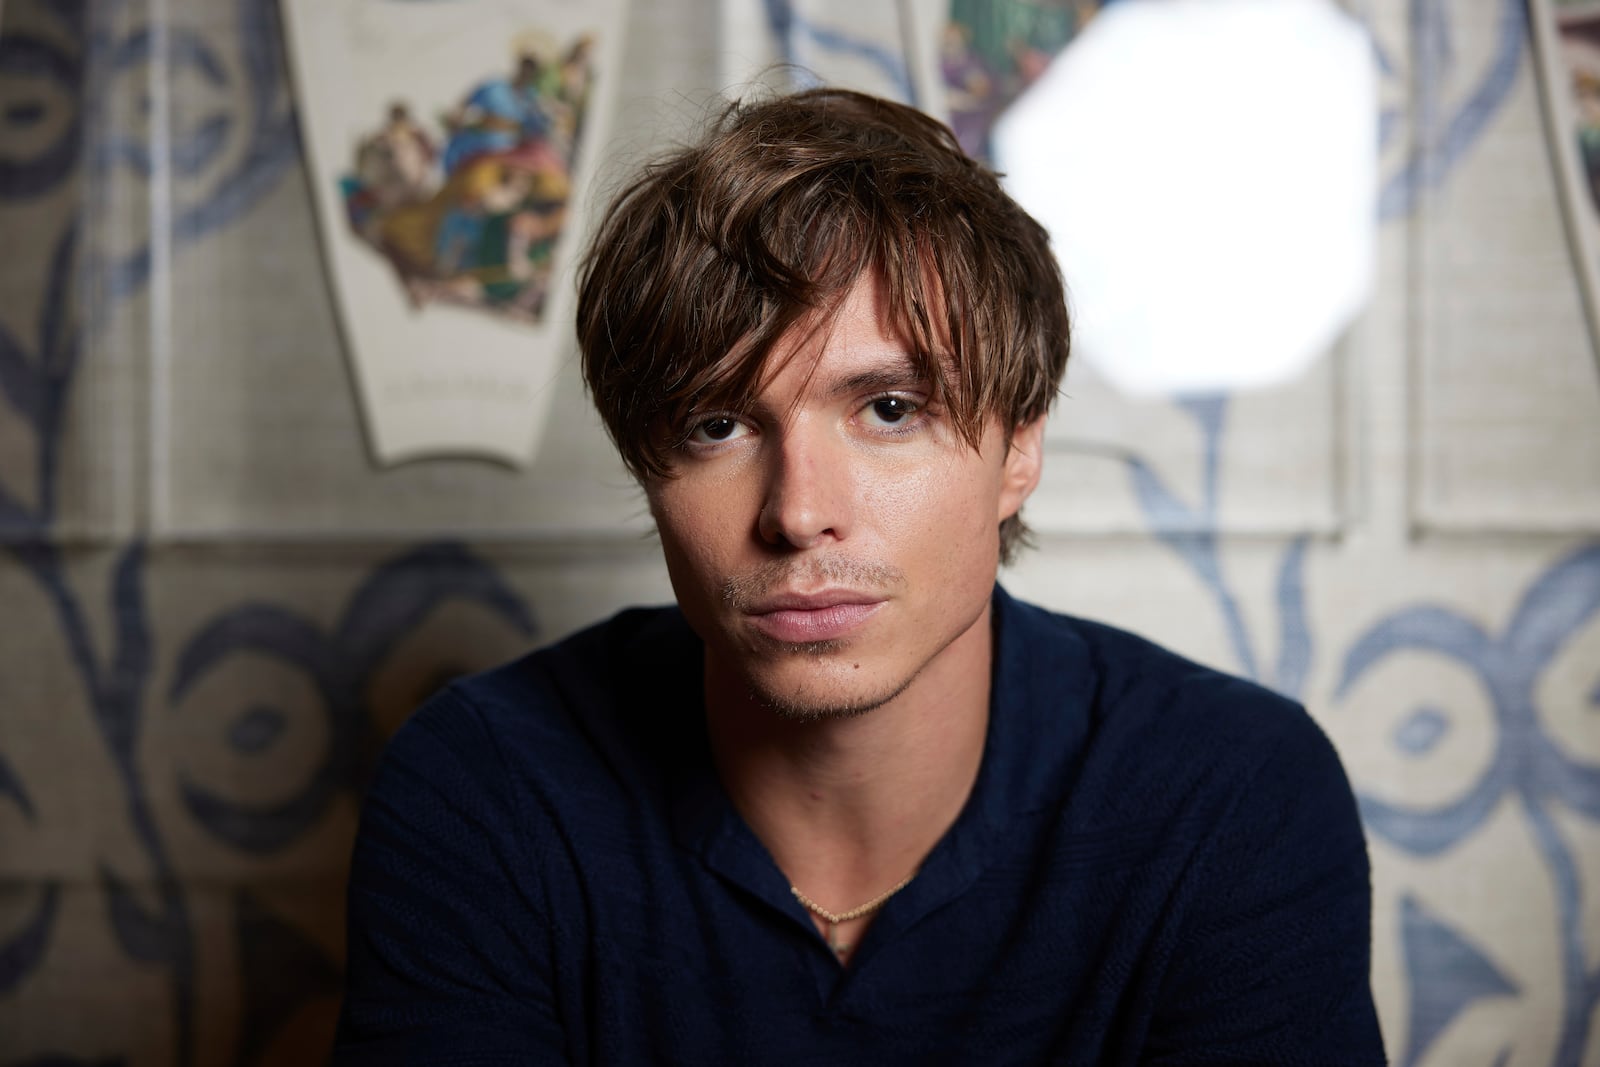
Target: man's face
(837, 542)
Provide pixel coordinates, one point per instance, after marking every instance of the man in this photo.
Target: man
(849, 802)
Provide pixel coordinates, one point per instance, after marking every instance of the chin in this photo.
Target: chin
(815, 692)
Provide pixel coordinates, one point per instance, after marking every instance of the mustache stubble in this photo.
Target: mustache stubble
(742, 591)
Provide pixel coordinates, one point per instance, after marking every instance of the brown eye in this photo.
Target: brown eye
(892, 410)
(717, 430)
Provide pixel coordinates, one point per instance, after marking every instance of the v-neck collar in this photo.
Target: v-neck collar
(1039, 703)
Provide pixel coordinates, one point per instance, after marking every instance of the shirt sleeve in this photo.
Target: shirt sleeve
(1274, 959)
(448, 952)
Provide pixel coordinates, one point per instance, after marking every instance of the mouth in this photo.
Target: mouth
(806, 618)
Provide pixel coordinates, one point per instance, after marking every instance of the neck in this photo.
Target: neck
(850, 806)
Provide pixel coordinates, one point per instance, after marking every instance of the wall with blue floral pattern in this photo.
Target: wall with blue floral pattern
(217, 609)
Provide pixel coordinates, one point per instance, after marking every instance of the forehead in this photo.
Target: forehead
(852, 347)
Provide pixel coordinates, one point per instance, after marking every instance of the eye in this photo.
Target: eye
(892, 410)
(717, 430)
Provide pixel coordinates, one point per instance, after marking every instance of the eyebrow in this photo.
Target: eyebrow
(896, 376)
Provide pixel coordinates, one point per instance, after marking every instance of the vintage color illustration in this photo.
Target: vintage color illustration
(449, 144)
(471, 214)
(990, 51)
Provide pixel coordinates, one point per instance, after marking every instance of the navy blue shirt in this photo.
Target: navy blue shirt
(1158, 864)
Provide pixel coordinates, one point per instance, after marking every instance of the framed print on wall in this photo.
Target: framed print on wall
(449, 143)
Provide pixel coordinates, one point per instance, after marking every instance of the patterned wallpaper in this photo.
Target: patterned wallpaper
(189, 711)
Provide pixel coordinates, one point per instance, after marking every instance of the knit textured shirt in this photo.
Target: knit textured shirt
(1158, 863)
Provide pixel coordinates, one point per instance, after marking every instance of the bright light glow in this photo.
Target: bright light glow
(1207, 170)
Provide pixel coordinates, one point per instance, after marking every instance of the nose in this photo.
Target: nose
(807, 493)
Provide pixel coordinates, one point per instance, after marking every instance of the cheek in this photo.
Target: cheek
(704, 506)
(700, 530)
(942, 511)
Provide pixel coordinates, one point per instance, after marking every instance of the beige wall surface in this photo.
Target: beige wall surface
(217, 607)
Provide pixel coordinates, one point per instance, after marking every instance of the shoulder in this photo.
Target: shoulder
(584, 673)
(1144, 680)
(1126, 680)
(500, 771)
(1154, 715)
(555, 708)
(1234, 808)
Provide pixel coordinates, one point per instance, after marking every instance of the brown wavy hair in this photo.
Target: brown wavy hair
(713, 253)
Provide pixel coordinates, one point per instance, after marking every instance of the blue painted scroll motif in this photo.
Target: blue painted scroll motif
(802, 38)
(1428, 136)
(231, 143)
(1528, 765)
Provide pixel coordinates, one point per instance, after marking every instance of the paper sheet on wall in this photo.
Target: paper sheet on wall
(449, 144)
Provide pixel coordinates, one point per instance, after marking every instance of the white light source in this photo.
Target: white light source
(1207, 170)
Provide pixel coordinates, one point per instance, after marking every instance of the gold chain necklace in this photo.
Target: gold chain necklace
(833, 918)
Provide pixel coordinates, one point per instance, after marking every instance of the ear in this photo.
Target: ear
(1023, 463)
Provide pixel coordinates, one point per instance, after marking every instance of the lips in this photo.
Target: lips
(795, 618)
